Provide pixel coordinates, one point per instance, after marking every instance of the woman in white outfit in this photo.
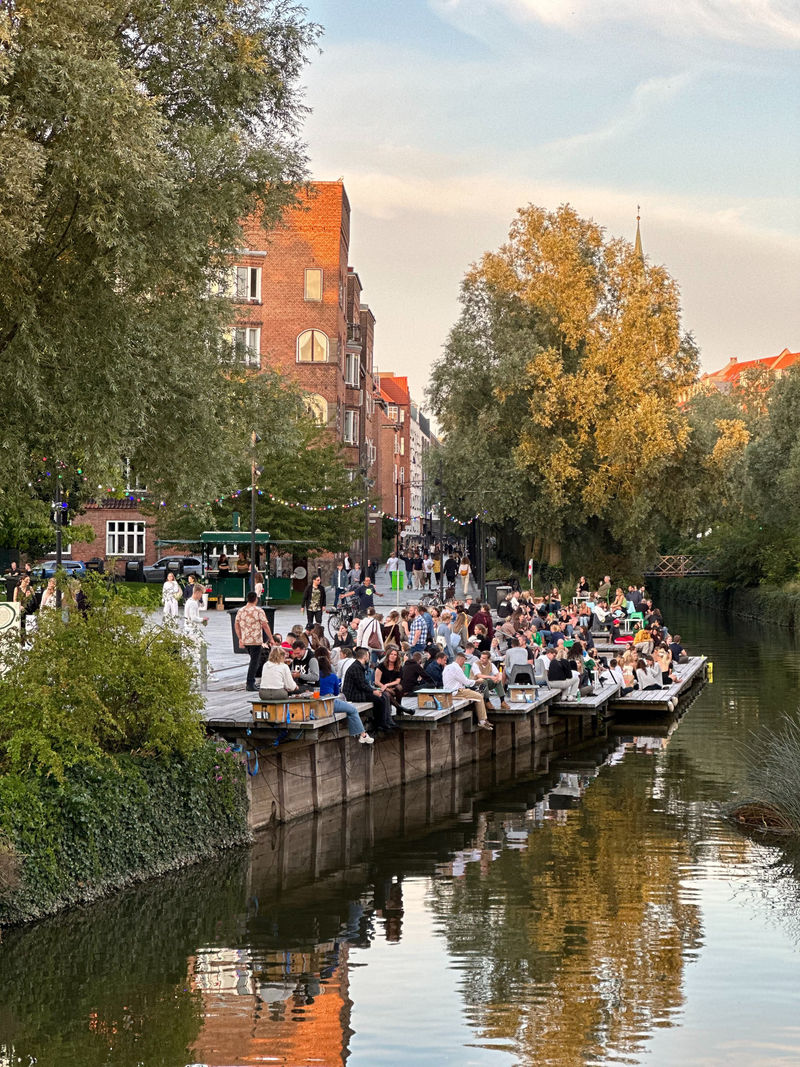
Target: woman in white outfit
(170, 595)
(463, 571)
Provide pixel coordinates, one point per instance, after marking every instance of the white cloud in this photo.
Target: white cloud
(752, 22)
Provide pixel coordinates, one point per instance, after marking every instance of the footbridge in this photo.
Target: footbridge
(681, 567)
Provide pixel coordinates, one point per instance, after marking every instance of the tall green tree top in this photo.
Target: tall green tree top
(134, 136)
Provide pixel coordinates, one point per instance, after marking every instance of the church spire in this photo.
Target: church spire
(637, 248)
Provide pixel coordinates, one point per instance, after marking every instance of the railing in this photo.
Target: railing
(354, 333)
(681, 567)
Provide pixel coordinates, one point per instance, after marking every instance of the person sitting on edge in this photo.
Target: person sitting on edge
(455, 681)
(679, 654)
(488, 678)
(329, 685)
(604, 588)
(482, 617)
(276, 678)
(561, 676)
(357, 689)
(613, 675)
(388, 674)
(648, 674)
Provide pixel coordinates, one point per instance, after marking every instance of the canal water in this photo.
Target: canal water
(600, 913)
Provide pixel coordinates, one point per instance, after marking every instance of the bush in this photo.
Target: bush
(774, 776)
(107, 825)
(98, 684)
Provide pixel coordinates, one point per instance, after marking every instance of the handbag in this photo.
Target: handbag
(374, 640)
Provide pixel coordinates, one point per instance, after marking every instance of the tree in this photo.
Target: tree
(134, 137)
(558, 389)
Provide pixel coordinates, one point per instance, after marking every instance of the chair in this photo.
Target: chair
(636, 615)
(521, 673)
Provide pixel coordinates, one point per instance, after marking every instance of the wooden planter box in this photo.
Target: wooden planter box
(293, 709)
(522, 694)
(433, 699)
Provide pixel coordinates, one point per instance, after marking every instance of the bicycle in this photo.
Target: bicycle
(342, 615)
(431, 600)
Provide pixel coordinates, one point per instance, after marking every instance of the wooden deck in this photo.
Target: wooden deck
(522, 709)
(588, 705)
(663, 700)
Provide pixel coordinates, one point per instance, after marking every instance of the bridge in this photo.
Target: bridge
(681, 567)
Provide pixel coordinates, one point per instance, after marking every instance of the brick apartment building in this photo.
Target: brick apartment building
(300, 311)
(405, 438)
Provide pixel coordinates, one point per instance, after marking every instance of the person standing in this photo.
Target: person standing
(170, 595)
(463, 570)
(193, 622)
(370, 571)
(223, 570)
(450, 572)
(427, 570)
(408, 559)
(251, 621)
(339, 582)
(314, 601)
(418, 570)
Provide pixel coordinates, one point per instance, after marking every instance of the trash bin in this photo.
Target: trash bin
(269, 612)
(134, 570)
(491, 593)
(397, 577)
(500, 592)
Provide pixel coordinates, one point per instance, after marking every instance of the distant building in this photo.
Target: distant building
(407, 431)
(730, 375)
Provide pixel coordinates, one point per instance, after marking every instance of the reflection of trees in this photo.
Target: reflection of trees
(113, 976)
(575, 947)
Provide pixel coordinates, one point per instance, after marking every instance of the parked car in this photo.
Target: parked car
(74, 567)
(179, 565)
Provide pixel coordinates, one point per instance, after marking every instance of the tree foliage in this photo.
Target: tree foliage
(557, 390)
(134, 137)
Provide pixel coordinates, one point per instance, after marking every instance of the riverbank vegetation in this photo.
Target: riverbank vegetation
(774, 805)
(106, 774)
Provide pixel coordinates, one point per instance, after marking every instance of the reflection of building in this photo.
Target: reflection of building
(273, 1007)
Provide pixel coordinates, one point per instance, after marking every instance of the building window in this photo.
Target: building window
(391, 411)
(247, 345)
(312, 347)
(248, 284)
(125, 538)
(352, 369)
(313, 284)
(350, 427)
(402, 446)
(317, 408)
(402, 474)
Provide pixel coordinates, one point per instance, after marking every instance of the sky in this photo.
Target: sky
(444, 117)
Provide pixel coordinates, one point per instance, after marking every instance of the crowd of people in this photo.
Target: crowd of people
(463, 648)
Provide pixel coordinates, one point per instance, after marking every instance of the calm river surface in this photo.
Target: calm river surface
(602, 913)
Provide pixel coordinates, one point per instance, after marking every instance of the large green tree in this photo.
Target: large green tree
(134, 135)
(557, 390)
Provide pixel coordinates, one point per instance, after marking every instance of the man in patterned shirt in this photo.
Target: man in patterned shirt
(418, 631)
(251, 620)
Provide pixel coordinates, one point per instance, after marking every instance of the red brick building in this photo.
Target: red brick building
(120, 530)
(300, 311)
(395, 445)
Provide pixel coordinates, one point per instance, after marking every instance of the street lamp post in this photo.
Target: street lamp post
(255, 471)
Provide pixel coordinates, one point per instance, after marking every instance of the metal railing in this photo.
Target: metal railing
(681, 567)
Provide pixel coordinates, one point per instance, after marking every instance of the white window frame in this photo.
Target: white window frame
(352, 369)
(124, 536)
(402, 445)
(315, 335)
(391, 412)
(306, 273)
(249, 338)
(247, 284)
(351, 427)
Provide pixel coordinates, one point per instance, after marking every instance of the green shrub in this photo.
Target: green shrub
(107, 824)
(104, 683)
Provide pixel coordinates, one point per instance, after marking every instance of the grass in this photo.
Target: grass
(774, 806)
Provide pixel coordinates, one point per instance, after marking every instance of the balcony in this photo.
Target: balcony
(354, 336)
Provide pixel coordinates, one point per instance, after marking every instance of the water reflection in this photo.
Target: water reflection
(560, 917)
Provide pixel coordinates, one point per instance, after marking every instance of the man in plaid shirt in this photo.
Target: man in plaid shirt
(418, 631)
